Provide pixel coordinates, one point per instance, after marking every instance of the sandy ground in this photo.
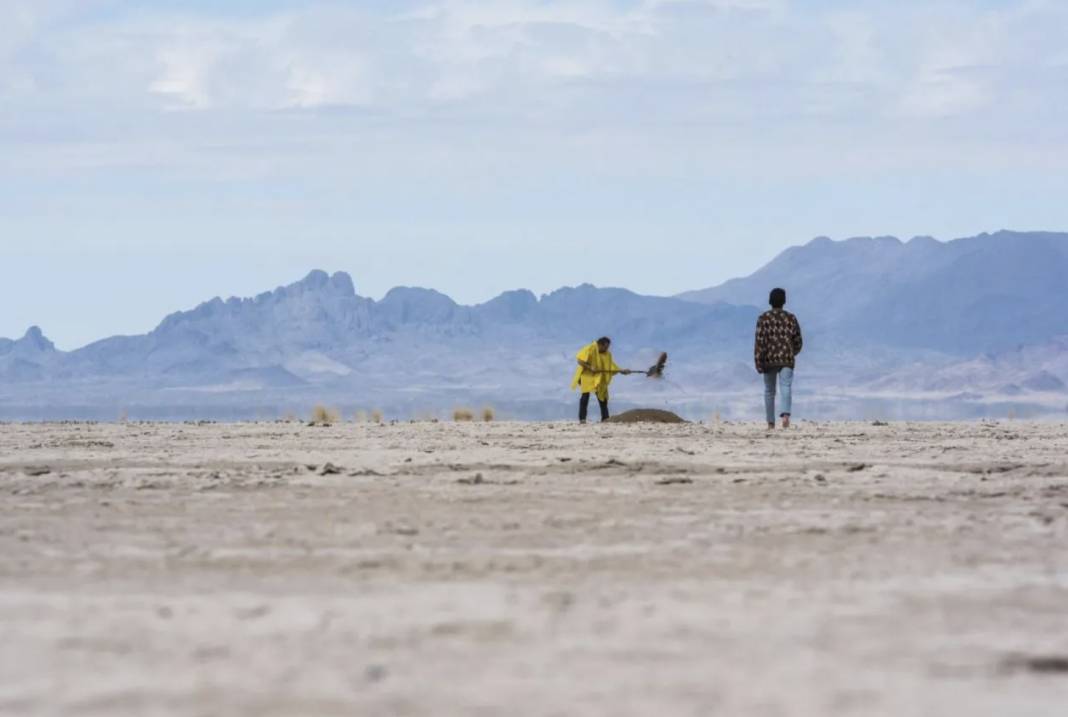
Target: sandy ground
(534, 569)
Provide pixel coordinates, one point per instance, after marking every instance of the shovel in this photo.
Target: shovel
(655, 371)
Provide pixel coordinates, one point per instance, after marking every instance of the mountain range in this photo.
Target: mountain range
(912, 329)
(991, 292)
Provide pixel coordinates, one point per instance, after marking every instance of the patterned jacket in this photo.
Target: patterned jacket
(778, 340)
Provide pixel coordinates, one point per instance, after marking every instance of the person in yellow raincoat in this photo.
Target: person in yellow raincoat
(595, 371)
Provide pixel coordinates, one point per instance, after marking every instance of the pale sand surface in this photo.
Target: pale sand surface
(838, 569)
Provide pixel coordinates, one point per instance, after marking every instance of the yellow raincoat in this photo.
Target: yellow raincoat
(590, 382)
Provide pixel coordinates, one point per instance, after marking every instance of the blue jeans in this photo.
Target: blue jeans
(785, 378)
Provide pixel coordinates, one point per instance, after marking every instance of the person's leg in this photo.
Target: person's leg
(584, 407)
(786, 379)
(770, 376)
(604, 409)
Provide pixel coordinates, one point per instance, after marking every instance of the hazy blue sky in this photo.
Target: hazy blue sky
(155, 154)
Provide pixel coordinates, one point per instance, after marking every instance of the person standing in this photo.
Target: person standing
(595, 371)
(778, 342)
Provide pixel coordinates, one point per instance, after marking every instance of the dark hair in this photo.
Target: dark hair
(777, 298)
(604, 340)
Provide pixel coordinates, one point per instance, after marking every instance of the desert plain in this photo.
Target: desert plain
(534, 569)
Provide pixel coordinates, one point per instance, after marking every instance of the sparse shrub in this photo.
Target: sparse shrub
(463, 415)
(376, 416)
(488, 414)
(323, 416)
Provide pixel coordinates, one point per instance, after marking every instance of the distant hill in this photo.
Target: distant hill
(991, 292)
(320, 325)
(28, 358)
(920, 329)
(317, 339)
(1037, 368)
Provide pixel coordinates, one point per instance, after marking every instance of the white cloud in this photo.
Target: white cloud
(737, 78)
(184, 74)
(944, 92)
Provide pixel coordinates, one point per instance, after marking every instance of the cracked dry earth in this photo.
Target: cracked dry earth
(534, 569)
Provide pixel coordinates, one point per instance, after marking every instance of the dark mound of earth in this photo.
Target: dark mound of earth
(646, 415)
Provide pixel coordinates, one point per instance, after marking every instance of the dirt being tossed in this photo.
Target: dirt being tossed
(647, 415)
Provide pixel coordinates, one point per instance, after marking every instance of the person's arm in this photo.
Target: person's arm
(758, 342)
(796, 339)
(583, 357)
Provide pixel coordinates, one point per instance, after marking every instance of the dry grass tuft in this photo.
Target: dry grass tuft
(488, 414)
(463, 415)
(377, 417)
(323, 416)
(360, 417)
